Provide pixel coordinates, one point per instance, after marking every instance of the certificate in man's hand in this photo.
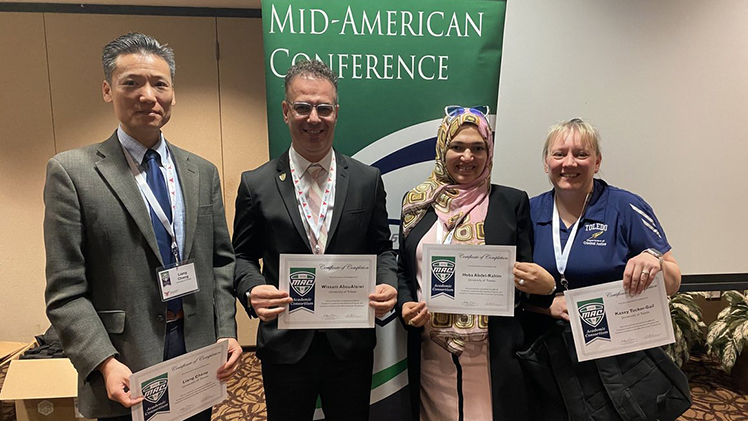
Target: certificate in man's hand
(329, 291)
(180, 387)
(606, 321)
(469, 279)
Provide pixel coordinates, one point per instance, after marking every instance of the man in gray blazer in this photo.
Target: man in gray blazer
(350, 218)
(106, 240)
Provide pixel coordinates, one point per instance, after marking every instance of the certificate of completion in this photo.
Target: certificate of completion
(469, 279)
(606, 321)
(329, 291)
(180, 387)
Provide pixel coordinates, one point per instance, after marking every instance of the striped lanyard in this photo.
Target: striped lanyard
(303, 197)
(153, 202)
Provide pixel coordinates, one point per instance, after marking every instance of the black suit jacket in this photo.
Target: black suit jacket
(507, 223)
(267, 223)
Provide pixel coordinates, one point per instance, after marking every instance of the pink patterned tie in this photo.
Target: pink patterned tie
(315, 175)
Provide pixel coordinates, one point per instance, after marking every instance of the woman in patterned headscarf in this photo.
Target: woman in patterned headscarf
(463, 366)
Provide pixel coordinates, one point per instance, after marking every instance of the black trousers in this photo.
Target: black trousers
(173, 347)
(344, 387)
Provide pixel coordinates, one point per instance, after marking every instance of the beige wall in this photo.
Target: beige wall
(51, 102)
(26, 142)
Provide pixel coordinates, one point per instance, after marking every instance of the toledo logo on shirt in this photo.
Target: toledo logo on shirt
(597, 230)
(301, 281)
(595, 324)
(443, 276)
(156, 394)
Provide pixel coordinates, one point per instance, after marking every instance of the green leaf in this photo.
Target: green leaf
(723, 313)
(740, 334)
(728, 357)
(716, 330)
(687, 311)
(734, 297)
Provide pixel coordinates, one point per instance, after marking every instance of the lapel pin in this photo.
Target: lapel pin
(282, 177)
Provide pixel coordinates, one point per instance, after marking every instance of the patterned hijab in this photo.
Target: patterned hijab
(451, 201)
(461, 207)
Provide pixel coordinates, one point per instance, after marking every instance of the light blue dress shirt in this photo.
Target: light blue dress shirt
(137, 152)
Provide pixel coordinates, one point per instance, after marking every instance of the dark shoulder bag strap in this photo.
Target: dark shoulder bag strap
(567, 380)
(618, 391)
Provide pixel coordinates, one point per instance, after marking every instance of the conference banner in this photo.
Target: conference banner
(399, 64)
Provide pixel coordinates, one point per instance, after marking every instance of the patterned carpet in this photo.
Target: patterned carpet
(246, 399)
(714, 397)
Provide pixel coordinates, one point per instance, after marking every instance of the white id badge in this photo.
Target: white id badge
(177, 280)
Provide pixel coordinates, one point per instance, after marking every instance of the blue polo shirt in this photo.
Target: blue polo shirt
(616, 226)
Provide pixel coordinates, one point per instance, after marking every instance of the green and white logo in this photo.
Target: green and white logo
(302, 280)
(443, 276)
(592, 311)
(443, 268)
(595, 325)
(156, 394)
(154, 389)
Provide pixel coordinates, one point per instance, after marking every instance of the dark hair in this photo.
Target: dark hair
(135, 43)
(313, 69)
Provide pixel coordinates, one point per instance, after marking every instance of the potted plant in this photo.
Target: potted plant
(688, 325)
(728, 334)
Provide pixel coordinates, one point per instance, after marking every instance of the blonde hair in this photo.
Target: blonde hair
(588, 134)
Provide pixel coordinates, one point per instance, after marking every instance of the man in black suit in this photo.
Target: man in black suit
(349, 217)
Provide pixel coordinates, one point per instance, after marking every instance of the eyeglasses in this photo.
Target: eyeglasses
(304, 109)
(455, 110)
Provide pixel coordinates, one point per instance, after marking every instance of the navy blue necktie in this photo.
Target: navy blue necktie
(155, 180)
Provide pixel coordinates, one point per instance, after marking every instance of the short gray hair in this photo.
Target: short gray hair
(312, 69)
(135, 43)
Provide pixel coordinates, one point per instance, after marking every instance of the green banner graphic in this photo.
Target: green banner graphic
(399, 64)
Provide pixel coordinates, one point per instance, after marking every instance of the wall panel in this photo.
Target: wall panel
(56, 76)
(81, 115)
(26, 143)
(243, 117)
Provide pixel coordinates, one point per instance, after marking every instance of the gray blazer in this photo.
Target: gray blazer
(268, 223)
(102, 293)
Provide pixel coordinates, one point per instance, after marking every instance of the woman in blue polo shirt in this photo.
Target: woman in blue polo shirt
(618, 235)
(587, 233)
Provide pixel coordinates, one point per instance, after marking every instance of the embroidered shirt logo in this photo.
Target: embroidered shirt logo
(597, 230)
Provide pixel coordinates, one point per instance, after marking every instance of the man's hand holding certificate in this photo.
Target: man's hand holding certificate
(327, 291)
(469, 279)
(180, 387)
(606, 321)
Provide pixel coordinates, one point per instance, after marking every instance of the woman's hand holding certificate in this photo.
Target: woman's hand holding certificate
(607, 321)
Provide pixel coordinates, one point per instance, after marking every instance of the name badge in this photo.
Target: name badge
(177, 280)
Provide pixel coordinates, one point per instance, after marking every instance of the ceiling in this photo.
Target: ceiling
(234, 4)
